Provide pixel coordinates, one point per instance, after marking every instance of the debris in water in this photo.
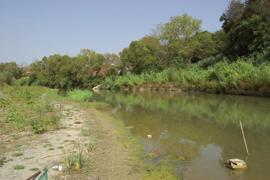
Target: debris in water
(236, 164)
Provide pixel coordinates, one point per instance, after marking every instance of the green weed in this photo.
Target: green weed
(79, 95)
(18, 167)
(75, 160)
(17, 154)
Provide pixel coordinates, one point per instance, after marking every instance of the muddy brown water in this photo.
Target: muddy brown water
(195, 133)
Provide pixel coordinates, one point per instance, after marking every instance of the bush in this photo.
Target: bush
(79, 95)
(24, 81)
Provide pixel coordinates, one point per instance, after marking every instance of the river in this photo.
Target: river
(194, 133)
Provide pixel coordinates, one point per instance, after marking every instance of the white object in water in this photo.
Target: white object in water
(149, 136)
(236, 164)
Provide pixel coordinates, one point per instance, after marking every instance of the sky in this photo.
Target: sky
(31, 29)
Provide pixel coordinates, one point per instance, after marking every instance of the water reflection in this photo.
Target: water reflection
(195, 133)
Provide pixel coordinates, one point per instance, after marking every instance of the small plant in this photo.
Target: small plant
(17, 154)
(18, 167)
(75, 160)
(3, 160)
(38, 127)
(14, 117)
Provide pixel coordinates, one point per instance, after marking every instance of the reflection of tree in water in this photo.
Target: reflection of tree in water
(223, 110)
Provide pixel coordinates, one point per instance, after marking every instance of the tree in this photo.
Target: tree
(175, 34)
(180, 28)
(232, 15)
(9, 72)
(221, 41)
(200, 46)
(143, 55)
(257, 7)
(247, 27)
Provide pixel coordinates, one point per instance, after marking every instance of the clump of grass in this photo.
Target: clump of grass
(14, 117)
(79, 95)
(18, 167)
(3, 160)
(17, 154)
(75, 160)
(38, 127)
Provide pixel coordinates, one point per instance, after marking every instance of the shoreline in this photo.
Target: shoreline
(177, 89)
(86, 130)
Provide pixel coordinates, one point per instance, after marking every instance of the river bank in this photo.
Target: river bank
(237, 78)
(169, 87)
(87, 143)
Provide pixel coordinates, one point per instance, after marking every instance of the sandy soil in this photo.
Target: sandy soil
(107, 158)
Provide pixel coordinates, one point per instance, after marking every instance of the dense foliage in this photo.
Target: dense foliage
(9, 72)
(65, 72)
(191, 56)
(222, 77)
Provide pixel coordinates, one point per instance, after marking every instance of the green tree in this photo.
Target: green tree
(200, 46)
(232, 15)
(179, 28)
(143, 55)
(9, 72)
(247, 27)
(175, 34)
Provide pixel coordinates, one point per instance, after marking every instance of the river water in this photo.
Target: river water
(194, 134)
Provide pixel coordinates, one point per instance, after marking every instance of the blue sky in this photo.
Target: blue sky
(31, 29)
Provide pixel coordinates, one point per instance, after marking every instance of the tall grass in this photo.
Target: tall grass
(223, 76)
(79, 95)
(28, 108)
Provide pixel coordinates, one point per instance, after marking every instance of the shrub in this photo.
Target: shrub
(79, 95)
(22, 81)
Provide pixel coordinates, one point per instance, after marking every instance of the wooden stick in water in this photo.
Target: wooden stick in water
(244, 138)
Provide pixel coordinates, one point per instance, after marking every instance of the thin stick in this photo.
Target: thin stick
(244, 138)
(34, 176)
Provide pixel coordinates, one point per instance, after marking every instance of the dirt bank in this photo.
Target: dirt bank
(105, 156)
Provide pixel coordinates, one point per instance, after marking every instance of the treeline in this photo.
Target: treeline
(179, 45)
(83, 71)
